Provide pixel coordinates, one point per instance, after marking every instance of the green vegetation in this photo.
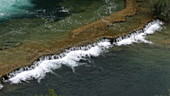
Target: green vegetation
(161, 9)
(51, 93)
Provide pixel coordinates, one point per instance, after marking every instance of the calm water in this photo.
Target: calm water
(134, 70)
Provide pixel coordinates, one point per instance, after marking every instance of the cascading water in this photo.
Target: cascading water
(72, 56)
(1, 86)
(10, 8)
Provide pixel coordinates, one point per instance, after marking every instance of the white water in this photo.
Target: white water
(1, 86)
(72, 56)
(140, 36)
(13, 7)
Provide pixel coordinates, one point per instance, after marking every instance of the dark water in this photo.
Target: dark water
(38, 20)
(48, 9)
(136, 70)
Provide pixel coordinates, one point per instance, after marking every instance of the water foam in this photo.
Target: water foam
(9, 8)
(140, 35)
(71, 57)
(1, 86)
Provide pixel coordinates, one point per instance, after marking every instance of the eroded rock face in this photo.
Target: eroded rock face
(132, 18)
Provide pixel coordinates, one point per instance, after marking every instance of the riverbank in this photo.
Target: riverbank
(135, 15)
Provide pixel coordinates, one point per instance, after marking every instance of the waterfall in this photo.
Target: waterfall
(72, 56)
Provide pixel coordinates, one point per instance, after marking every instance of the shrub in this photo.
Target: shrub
(161, 8)
(51, 93)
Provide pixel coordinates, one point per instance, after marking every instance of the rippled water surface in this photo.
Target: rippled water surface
(45, 20)
(131, 70)
(128, 70)
(135, 70)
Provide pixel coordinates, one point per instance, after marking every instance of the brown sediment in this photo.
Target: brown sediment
(135, 15)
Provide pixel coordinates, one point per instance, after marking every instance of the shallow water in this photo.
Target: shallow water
(129, 70)
(11, 8)
(73, 57)
(50, 21)
(134, 70)
(17, 9)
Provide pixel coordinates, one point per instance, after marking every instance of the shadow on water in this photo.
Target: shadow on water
(50, 9)
(45, 4)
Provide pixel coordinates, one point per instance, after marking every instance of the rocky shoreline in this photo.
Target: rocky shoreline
(135, 15)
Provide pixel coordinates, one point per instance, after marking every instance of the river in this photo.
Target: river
(135, 69)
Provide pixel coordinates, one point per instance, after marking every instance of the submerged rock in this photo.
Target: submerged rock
(134, 16)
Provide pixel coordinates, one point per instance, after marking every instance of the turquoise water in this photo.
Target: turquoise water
(14, 8)
(132, 70)
(55, 17)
